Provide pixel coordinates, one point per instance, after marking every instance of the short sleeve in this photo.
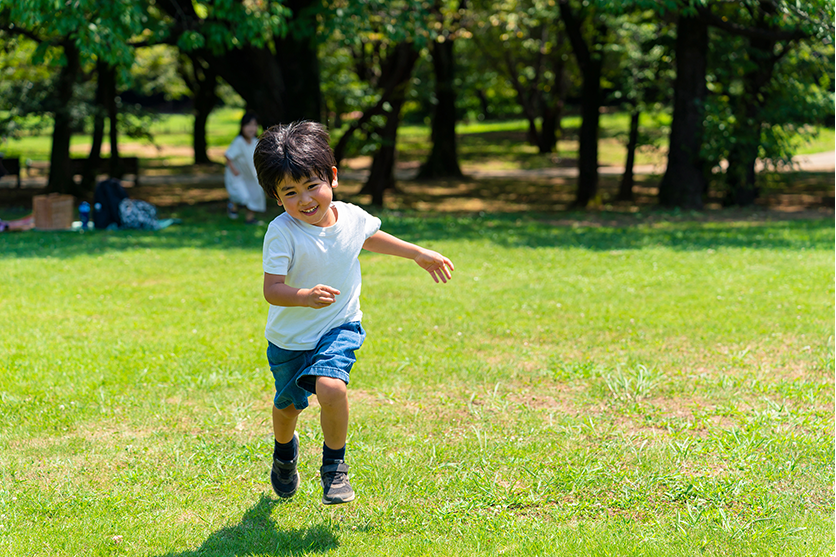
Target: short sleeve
(278, 252)
(371, 224)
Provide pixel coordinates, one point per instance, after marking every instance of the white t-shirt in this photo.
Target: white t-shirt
(309, 255)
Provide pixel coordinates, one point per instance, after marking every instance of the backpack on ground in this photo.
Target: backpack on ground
(106, 199)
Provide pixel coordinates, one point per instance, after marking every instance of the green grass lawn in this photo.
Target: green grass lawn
(170, 130)
(663, 388)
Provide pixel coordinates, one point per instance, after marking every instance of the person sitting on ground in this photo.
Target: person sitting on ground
(312, 281)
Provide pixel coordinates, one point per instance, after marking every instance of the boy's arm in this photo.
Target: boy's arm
(277, 293)
(438, 266)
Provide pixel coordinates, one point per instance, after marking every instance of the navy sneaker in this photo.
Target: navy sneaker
(284, 477)
(335, 486)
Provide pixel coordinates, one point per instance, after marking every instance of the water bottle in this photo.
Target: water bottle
(84, 214)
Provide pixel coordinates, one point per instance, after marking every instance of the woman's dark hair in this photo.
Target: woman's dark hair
(298, 150)
(246, 119)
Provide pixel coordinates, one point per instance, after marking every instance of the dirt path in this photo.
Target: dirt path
(358, 169)
(819, 162)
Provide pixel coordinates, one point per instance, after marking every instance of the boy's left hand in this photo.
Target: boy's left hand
(438, 266)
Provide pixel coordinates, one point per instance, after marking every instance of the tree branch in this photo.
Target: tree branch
(15, 30)
(573, 29)
(750, 32)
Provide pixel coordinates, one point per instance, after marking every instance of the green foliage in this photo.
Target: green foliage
(155, 72)
(100, 30)
(364, 36)
(523, 42)
(220, 25)
(638, 61)
(484, 91)
(380, 21)
(24, 86)
(797, 95)
(343, 90)
(644, 50)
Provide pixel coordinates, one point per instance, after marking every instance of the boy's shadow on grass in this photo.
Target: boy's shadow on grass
(257, 534)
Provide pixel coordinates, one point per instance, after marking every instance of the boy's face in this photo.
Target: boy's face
(309, 199)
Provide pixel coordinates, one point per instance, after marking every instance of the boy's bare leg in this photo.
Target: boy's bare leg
(284, 423)
(333, 399)
(283, 476)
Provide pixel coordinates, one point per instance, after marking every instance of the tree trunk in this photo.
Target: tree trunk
(533, 135)
(483, 101)
(395, 72)
(684, 182)
(91, 166)
(395, 76)
(625, 191)
(205, 82)
(382, 175)
(264, 94)
(443, 160)
(548, 129)
(741, 188)
(280, 88)
(60, 175)
(296, 55)
(740, 176)
(590, 64)
(588, 150)
(201, 115)
(108, 77)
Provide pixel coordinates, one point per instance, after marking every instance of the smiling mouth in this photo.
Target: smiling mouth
(310, 211)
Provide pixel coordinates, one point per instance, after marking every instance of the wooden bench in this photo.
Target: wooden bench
(126, 165)
(10, 167)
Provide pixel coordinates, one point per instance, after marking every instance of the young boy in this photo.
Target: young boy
(312, 282)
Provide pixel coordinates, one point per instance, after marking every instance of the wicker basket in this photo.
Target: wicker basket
(53, 211)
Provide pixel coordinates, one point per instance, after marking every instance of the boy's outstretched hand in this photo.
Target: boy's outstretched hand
(438, 266)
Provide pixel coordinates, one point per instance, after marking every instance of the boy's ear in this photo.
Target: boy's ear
(334, 182)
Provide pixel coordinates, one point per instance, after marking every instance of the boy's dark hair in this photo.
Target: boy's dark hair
(299, 150)
(246, 119)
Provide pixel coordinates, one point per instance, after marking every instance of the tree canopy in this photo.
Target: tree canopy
(741, 79)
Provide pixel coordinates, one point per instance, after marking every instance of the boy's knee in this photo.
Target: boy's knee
(288, 412)
(330, 390)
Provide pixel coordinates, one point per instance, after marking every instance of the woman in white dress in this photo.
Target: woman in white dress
(240, 177)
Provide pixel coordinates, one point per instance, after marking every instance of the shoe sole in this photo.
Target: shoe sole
(337, 501)
(292, 493)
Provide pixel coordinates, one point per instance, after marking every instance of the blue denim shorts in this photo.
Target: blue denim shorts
(295, 371)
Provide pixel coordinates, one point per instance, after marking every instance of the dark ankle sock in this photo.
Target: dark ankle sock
(331, 454)
(285, 451)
